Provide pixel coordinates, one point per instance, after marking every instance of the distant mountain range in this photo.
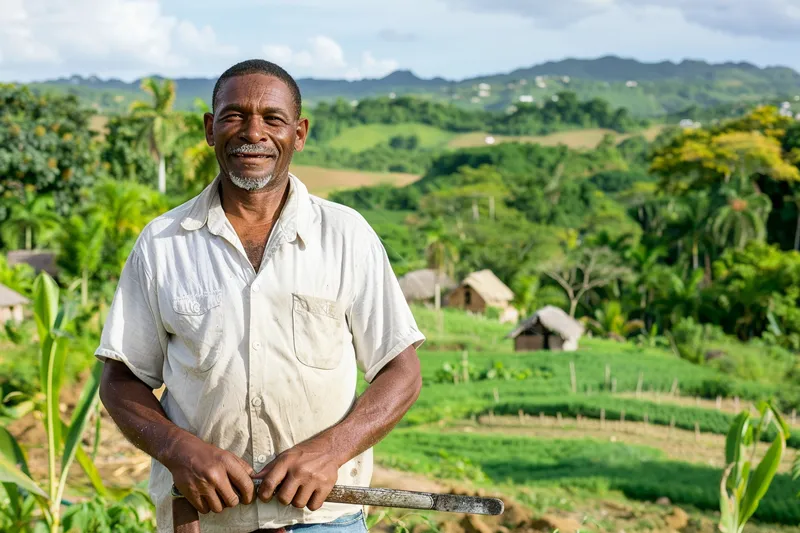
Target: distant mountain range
(647, 89)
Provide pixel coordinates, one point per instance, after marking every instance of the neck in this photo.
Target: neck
(263, 205)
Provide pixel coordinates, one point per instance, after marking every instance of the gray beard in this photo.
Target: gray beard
(249, 184)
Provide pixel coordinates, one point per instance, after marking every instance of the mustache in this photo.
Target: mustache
(258, 149)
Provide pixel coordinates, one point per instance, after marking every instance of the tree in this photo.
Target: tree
(32, 221)
(81, 254)
(46, 146)
(159, 129)
(584, 270)
(742, 217)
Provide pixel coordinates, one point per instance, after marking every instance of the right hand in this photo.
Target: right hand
(208, 477)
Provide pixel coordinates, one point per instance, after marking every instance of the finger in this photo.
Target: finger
(317, 499)
(227, 495)
(302, 495)
(197, 501)
(212, 500)
(287, 490)
(242, 481)
(272, 476)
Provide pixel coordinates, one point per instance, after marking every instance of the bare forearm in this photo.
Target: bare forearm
(387, 399)
(137, 412)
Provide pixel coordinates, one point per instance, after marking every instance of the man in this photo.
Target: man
(254, 304)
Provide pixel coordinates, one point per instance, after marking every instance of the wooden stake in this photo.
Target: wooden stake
(573, 379)
(736, 403)
(608, 376)
(558, 417)
(491, 415)
(496, 395)
(613, 385)
(602, 418)
(639, 385)
(696, 431)
(521, 417)
(622, 416)
(719, 402)
(697, 401)
(541, 417)
(465, 366)
(674, 389)
(646, 419)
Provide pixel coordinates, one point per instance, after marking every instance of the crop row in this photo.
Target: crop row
(639, 472)
(684, 417)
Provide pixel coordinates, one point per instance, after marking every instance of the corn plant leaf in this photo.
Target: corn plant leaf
(780, 421)
(45, 303)
(796, 466)
(80, 417)
(10, 448)
(10, 473)
(762, 477)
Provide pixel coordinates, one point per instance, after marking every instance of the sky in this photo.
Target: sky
(355, 39)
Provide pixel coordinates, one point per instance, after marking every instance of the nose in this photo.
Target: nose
(253, 130)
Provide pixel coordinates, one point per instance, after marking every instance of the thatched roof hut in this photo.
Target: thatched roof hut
(40, 260)
(480, 290)
(550, 328)
(420, 285)
(11, 304)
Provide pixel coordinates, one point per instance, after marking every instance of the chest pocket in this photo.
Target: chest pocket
(317, 331)
(198, 322)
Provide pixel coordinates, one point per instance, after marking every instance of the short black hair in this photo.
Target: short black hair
(259, 66)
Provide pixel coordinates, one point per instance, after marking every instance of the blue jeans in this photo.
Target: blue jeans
(352, 523)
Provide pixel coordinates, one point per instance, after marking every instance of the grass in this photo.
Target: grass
(584, 138)
(639, 472)
(360, 138)
(322, 181)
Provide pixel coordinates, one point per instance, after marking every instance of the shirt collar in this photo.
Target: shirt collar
(295, 219)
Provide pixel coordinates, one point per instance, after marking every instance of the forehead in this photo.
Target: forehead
(256, 91)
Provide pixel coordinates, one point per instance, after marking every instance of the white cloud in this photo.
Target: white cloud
(324, 57)
(768, 19)
(86, 36)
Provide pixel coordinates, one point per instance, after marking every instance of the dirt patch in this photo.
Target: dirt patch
(321, 181)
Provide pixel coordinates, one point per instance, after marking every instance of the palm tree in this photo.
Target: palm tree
(610, 321)
(83, 241)
(197, 157)
(33, 220)
(742, 217)
(441, 247)
(692, 223)
(158, 130)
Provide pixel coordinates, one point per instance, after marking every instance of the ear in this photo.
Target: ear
(301, 134)
(208, 122)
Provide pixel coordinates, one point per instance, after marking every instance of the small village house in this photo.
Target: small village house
(482, 290)
(419, 286)
(11, 305)
(550, 328)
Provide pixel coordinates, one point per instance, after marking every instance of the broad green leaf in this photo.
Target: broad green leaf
(15, 412)
(45, 303)
(762, 477)
(11, 474)
(14, 453)
(780, 421)
(796, 466)
(91, 471)
(737, 432)
(80, 417)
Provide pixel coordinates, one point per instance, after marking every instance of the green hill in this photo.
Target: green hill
(647, 89)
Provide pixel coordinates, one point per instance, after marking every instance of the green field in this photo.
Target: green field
(360, 138)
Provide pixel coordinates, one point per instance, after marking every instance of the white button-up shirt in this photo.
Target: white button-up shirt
(255, 362)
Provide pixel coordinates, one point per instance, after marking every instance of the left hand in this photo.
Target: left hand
(303, 476)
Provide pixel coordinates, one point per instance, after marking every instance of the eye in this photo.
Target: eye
(274, 119)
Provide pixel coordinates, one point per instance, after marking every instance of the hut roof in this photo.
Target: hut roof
(553, 319)
(9, 297)
(489, 286)
(38, 259)
(421, 284)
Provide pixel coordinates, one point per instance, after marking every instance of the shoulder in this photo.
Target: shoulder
(162, 229)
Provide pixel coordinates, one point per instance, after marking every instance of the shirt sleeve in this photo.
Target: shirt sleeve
(133, 332)
(381, 321)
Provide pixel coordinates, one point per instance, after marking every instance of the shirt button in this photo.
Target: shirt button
(256, 345)
(262, 458)
(256, 287)
(196, 307)
(257, 401)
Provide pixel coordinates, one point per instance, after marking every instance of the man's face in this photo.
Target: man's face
(254, 130)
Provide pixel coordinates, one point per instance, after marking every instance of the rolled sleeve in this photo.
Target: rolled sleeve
(382, 324)
(133, 332)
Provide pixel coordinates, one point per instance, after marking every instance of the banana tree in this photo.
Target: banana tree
(741, 487)
(63, 439)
